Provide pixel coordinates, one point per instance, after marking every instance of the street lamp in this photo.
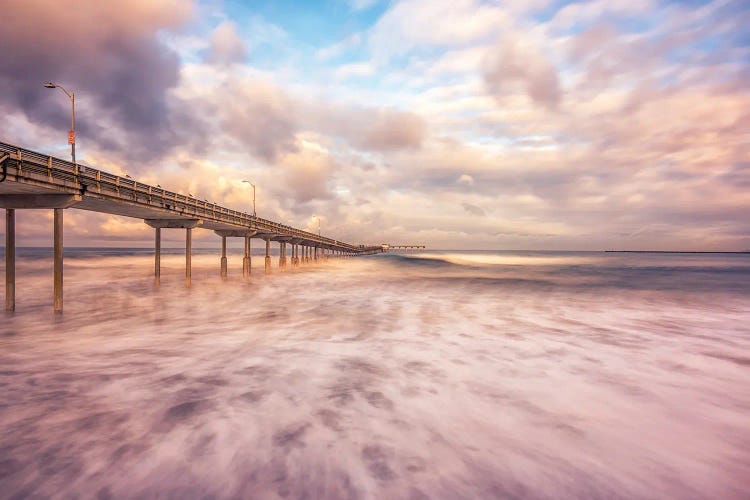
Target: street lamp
(253, 185)
(72, 133)
(316, 217)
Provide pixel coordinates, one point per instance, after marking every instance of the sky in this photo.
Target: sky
(458, 124)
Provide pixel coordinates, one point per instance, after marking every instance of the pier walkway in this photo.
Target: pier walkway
(32, 180)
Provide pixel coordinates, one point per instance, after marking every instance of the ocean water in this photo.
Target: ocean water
(423, 375)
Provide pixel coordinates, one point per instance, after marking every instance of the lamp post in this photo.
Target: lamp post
(316, 217)
(72, 133)
(253, 185)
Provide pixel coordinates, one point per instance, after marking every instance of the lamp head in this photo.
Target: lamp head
(50, 85)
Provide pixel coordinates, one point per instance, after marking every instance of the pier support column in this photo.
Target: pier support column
(268, 256)
(316, 254)
(10, 259)
(157, 256)
(58, 259)
(282, 255)
(295, 255)
(246, 259)
(188, 255)
(223, 256)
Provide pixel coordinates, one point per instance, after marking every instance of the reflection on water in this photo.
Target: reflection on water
(432, 375)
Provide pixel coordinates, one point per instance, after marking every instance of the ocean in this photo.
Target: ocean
(421, 375)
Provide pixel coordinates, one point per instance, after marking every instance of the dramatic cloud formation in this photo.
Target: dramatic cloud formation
(513, 62)
(226, 45)
(461, 123)
(106, 52)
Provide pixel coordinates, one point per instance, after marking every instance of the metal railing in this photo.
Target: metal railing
(81, 179)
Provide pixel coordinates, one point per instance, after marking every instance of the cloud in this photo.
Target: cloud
(452, 122)
(339, 48)
(392, 130)
(473, 209)
(361, 4)
(354, 70)
(413, 24)
(226, 46)
(259, 116)
(308, 171)
(108, 53)
(514, 63)
(465, 180)
(375, 129)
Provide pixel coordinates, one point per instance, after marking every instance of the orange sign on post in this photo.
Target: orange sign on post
(71, 137)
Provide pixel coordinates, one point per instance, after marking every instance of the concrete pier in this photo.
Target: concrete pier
(33, 180)
(58, 260)
(158, 225)
(57, 202)
(188, 255)
(223, 256)
(268, 256)
(157, 255)
(10, 259)
(246, 259)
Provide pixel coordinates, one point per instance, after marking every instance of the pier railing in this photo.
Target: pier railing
(77, 178)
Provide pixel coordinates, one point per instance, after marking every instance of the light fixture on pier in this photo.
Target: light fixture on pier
(253, 185)
(316, 217)
(72, 132)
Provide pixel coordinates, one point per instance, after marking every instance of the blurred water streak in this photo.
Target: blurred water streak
(440, 374)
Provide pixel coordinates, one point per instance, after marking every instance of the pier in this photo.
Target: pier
(32, 180)
(388, 248)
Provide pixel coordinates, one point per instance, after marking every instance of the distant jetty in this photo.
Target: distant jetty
(670, 251)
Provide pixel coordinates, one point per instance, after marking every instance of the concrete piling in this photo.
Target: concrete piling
(246, 259)
(268, 256)
(224, 257)
(58, 260)
(10, 259)
(157, 256)
(188, 255)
